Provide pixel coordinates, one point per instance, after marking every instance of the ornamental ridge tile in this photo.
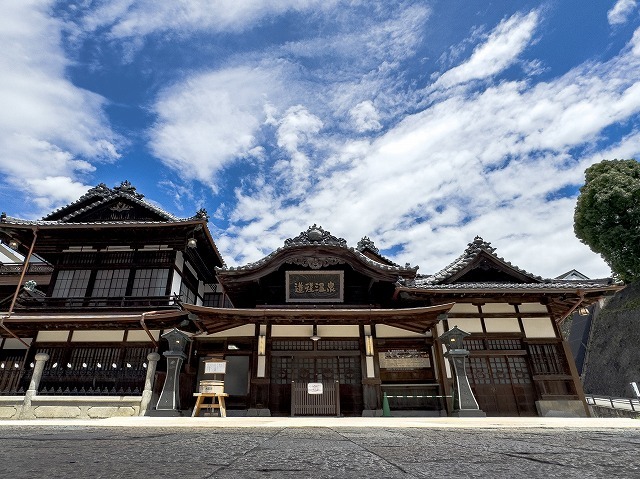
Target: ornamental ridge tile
(317, 236)
(102, 194)
(593, 284)
(18, 221)
(475, 248)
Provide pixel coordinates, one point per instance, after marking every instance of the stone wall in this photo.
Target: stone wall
(68, 407)
(613, 355)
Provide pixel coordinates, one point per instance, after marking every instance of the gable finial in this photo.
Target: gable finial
(202, 214)
(127, 188)
(366, 243)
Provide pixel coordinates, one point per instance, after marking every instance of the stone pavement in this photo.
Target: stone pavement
(320, 447)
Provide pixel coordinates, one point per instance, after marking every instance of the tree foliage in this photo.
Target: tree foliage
(607, 215)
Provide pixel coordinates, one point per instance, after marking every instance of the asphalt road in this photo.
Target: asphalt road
(72, 451)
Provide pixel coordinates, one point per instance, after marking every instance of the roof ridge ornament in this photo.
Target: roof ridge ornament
(366, 243)
(316, 235)
(127, 188)
(202, 214)
(99, 190)
(479, 244)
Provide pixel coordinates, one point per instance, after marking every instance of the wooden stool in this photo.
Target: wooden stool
(213, 405)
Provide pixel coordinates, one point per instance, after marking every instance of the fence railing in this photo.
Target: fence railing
(14, 377)
(98, 302)
(33, 268)
(627, 404)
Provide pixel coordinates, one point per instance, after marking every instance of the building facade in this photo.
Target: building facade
(314, 312)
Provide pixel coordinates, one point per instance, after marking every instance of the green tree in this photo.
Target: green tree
(607, 215)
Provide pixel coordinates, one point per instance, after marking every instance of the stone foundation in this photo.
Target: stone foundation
(69, 407)
(561, 408)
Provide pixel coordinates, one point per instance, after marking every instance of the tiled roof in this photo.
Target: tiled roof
(19, 221)
(366, 244)
(100, 195)
(548, 284)
(473, 250)
(317, 236)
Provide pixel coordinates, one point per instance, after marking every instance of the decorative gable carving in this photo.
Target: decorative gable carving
(315, 263)
(315, 235)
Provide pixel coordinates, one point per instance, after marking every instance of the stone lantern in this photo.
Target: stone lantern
(169, 402)
(464, 402)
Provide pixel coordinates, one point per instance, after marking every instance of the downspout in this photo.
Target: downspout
(143, 317)
(575, 306)
(146, 329)
(25, 266)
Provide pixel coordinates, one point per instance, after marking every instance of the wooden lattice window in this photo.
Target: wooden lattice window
(504, 344)
(547, 359)
(280, 345)
(329, 345)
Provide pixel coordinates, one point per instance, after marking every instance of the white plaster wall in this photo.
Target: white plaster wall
(469, 325)
(97, 336)
(532, 308)
(538, 328)
(502, 325)
(52, 336)
(498, 308)
(244, 331)
(384, 331)
(141, 335)
(293, 331)
(339, 331)
(464, 308)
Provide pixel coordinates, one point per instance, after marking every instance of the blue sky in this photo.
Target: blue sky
(420, 124)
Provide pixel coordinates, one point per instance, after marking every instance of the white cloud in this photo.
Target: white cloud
(365, 116)
(494, 162)
(635, 43)
(128, 18)
(49, 128)
(296, 130)
(621, 11)
(209, 120)
(500, 50)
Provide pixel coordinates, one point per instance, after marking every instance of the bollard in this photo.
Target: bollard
(386, 410)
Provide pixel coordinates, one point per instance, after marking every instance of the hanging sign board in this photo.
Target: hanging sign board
(215, 367)
(399, 359)
(314, 388)
(315, 287)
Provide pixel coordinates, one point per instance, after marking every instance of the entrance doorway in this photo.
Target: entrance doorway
(502, 385)
(311, 368)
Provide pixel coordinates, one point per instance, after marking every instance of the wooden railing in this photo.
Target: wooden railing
(14, 379)
(94, 370)
(99, 302)
(33, 268)
(325, 404)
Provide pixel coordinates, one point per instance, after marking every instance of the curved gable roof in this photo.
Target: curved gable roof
(89, 207)
(317, 248)
(478, 254)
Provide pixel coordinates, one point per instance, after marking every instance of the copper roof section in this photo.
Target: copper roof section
(417, 320)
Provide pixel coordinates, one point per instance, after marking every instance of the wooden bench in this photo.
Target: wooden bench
(200, 404)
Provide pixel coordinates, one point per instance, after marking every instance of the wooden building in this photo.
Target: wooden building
(315, 311)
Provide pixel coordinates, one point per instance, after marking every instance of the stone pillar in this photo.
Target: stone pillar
(148, 382)
(40, 359)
